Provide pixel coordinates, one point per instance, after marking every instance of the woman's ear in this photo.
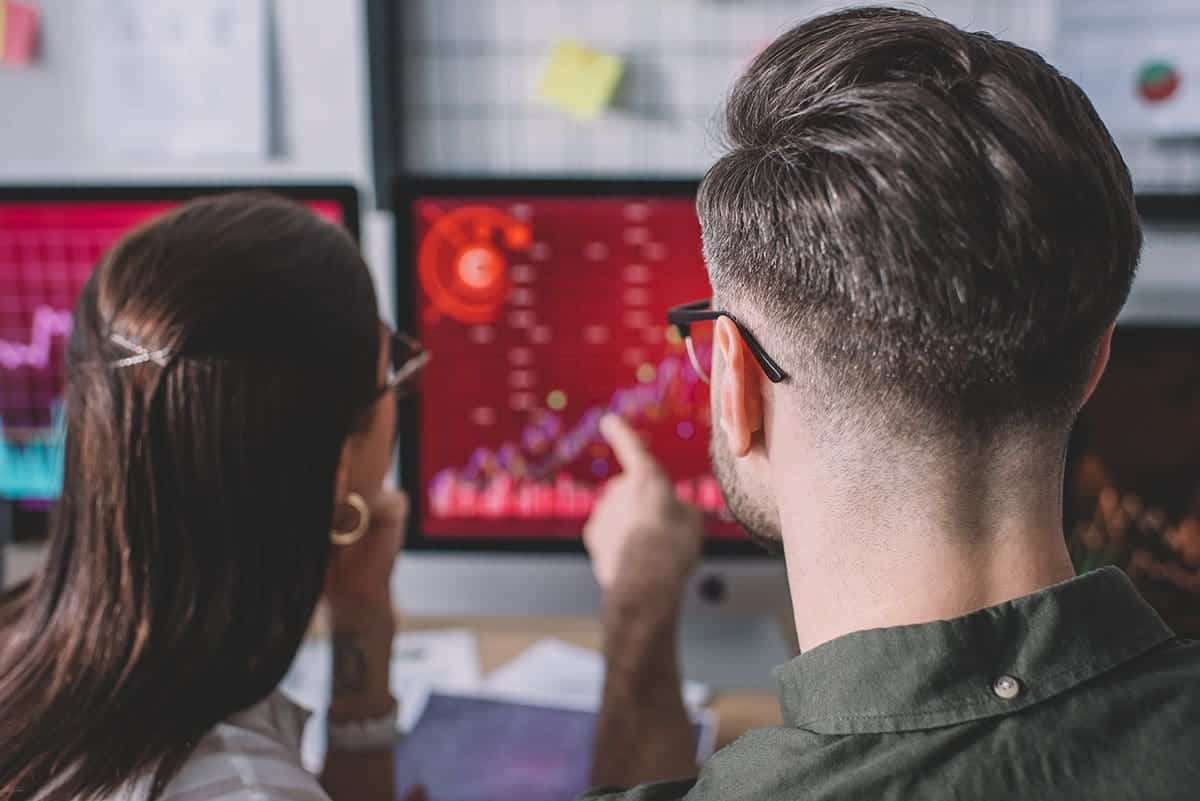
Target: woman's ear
(341, 482)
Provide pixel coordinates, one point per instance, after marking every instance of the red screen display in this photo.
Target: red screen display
(47, 252)
(542, 314)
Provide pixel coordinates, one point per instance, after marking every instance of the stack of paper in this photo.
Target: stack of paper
(529, 730)
(422, 661)
(549, 694)
(557, 671)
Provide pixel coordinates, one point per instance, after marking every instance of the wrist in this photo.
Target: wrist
(363, 708)
(650, 597)
(361, 615)
(378, 731)
(641, 640)
(362, 647)
(642, 612)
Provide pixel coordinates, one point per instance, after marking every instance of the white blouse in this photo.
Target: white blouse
(253, 756)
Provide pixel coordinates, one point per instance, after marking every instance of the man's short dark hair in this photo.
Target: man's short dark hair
(930, 221)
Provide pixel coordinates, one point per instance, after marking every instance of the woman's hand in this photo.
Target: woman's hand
(360, 574)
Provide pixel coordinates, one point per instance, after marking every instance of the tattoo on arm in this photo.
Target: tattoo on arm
(349, 664)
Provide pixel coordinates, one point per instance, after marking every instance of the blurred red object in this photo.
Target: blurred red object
(18, 33)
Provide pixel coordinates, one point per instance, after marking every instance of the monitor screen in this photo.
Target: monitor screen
(50, 240)
(1133, 477)
(545, 307)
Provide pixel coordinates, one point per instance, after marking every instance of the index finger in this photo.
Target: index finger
(627, 445)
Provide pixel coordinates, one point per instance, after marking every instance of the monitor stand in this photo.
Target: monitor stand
(734, 653)
(737, 617)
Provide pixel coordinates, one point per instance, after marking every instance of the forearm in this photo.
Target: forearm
(644, 733)
(362, 643)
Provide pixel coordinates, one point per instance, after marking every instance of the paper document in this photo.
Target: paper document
(558, 671)
(579, 80)
(421, 661)
(178, 78)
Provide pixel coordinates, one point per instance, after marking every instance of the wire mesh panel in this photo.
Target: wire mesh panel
(471, 70)
(472, 67)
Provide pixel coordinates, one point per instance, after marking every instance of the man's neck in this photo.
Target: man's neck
(930, 543)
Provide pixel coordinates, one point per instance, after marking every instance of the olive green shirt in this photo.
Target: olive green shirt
(1077, 692)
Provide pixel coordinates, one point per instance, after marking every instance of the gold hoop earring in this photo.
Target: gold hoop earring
(360, 529)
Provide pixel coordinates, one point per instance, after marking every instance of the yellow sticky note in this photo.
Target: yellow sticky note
(3, 27)
(579, 80)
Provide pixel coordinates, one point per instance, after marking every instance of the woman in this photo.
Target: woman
(230, 418)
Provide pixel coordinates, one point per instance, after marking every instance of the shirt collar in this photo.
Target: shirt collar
(277, 717)
(937, 674)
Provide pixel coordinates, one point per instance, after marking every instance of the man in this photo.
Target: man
(931, 233)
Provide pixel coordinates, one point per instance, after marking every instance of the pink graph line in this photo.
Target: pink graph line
(629, 402)
(542, 492)
(48, 323)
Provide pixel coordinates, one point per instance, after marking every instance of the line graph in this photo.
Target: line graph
(526, 478)
(674, 380)
(510, 412)
(48, 323)
(32, 469)
(49, 247)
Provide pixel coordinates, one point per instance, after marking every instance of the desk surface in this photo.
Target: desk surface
(502, 638)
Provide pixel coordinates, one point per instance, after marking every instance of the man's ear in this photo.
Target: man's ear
(1101, 362)
(739, 387)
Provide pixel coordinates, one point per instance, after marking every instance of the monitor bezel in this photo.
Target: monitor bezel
(1161, 207)
(407, 189)
(346, 195)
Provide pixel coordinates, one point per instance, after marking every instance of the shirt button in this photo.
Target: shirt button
(1006, 687)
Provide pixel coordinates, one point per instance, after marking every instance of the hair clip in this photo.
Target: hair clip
(140, 355)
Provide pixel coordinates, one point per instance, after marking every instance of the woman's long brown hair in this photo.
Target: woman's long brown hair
(192, 539)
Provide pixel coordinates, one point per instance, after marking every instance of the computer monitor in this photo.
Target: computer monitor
(544, 305)
(50, 240)
(1133, 478)
(546, 310)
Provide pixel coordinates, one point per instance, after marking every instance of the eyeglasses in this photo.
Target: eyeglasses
(682, 318)
(408, 357)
